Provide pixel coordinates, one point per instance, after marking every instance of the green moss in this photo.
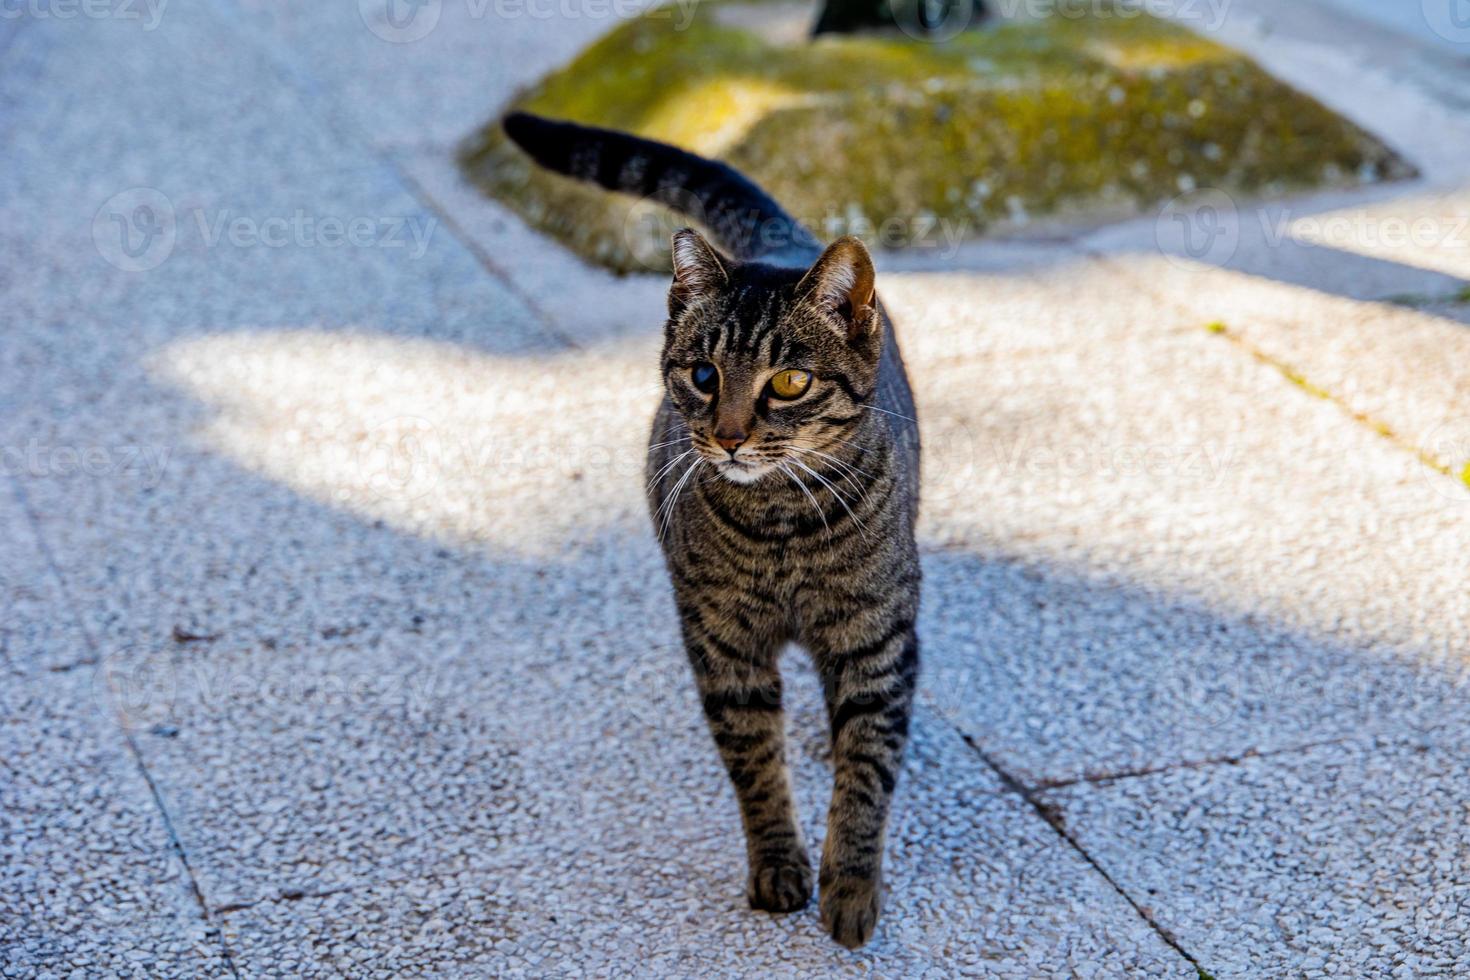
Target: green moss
(1416, 301)
(1465, 475)
(1217, 327)
(986, 132)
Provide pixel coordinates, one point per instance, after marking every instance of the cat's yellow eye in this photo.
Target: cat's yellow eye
(790, 384)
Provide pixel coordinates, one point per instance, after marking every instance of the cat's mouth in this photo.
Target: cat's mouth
(742, 471)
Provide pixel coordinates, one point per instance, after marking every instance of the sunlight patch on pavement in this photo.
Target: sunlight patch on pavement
(431, 437)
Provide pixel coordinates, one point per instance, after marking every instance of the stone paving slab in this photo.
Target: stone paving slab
(211, 128)
(90, 883)
(1347, 859)
(424, 775)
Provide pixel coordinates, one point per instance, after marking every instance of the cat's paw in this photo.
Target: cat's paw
(850, 909)
(782, 885)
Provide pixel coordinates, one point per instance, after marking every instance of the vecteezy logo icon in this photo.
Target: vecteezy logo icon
(1450, 19)
(401, 458)
(135, 230)
(1446, 450)
(650, 224)
(400, 21)
(1199, 227)
(140, 687)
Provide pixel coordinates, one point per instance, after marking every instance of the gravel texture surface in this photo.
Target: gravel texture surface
(338, 644)
(1346, 859)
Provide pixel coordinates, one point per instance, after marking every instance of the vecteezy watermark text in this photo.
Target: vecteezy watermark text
(304, 230)
(1450, 19)
(139, 228)
(149, 12)
(40, 459)
(1346, 229)
(1205, 226)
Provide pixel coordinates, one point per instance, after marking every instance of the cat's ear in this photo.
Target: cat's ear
(698, 270)
(840, 284)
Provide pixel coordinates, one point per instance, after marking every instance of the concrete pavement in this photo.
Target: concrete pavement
(337, 647)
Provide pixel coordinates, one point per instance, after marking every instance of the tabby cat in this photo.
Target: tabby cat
(783, 481)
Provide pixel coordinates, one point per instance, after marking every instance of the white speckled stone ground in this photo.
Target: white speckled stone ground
(338, 646)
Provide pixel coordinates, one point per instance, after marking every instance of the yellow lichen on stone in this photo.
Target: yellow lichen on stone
(714, 115)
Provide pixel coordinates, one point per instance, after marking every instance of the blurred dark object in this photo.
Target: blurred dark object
(919, 18)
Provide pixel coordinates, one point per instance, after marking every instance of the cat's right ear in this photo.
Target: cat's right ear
(698, 271)
(840, 284)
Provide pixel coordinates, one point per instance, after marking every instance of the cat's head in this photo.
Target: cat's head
(770, 367)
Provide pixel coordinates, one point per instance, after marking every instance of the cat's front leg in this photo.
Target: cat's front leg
(740, 687)
(869, 696)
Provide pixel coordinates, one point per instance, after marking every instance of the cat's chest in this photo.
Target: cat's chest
(759, 544)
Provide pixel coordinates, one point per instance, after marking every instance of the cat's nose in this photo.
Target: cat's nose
(731, 441)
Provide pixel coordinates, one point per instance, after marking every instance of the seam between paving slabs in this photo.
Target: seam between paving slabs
(1053, 819)
(1368, 421)
(478, 252)
(1232, 759)
(1288, 371)
(317, 94)
(177, 845)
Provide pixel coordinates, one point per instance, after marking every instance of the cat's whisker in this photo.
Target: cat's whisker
(658, 515)
(803, 487)
(674, 496)
(840, 462)
(875, 408)
(664, 445)
(862, 491)
(840, 498)
(667, 466)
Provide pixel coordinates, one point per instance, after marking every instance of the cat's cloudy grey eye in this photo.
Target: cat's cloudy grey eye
(705, 378)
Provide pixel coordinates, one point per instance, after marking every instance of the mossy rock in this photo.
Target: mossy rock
(906, 141)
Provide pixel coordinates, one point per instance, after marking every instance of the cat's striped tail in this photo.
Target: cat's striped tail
(743, 219)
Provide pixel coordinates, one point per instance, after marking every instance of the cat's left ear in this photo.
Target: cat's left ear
(840, 284)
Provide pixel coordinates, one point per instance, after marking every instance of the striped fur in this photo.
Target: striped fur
(803, 533)
(743, 219)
